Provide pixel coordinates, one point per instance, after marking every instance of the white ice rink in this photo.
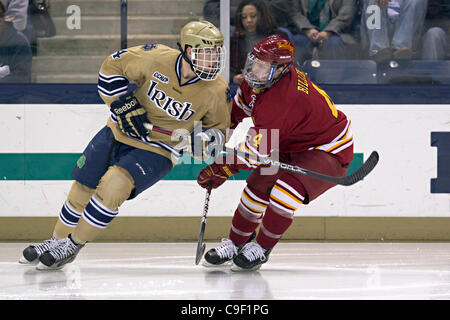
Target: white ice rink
(166, 271)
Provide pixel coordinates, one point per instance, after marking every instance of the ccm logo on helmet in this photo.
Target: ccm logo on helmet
(212, 43)
(126, 107)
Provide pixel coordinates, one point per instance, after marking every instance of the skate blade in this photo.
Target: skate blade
(43, 267)
(25, 262)
(210, 265)
(236, 268)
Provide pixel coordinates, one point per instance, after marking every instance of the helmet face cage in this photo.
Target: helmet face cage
(259, 74)
(208, 62)
(207, 52)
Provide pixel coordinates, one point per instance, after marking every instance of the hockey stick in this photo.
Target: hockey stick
(356, 176)
(200, 245)
(348, 180)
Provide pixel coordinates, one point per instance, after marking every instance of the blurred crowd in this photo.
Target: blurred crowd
(379, 30)
(21, 23)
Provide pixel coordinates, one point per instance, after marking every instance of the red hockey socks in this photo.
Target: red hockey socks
(287, 195)
(248, 215)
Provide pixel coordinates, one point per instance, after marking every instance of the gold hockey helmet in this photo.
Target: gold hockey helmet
(208, 53)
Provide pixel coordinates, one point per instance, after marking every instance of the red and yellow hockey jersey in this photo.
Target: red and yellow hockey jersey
(294, 115)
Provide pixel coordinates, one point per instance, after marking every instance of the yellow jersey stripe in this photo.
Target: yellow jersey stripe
(282, 202)
(288, 194)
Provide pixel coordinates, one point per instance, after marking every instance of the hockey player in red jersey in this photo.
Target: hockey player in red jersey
(293, 119)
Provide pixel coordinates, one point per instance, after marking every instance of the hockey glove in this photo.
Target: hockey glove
(215, 175)
(130, 115)
(204, 144)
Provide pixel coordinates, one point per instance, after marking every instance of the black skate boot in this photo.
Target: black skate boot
(64, 252)
(32, 253)
(224, 253)
(250, 258)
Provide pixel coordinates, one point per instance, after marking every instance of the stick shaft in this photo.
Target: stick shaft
(351, 179)
(200, 244)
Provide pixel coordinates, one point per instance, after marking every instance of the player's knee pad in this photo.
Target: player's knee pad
(287, 195)
(79, 196)
(114, 187)
(253, 204)
(77, 200)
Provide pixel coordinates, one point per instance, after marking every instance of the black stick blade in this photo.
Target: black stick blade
(200, 251)
(362, 171)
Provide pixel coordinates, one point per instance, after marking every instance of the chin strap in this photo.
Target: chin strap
(282, 73)
(285, 70)
(183, 53)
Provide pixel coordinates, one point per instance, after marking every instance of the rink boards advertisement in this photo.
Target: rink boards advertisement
(41, 143)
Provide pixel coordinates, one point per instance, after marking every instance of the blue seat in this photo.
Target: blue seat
(415, 71)
(341, 71)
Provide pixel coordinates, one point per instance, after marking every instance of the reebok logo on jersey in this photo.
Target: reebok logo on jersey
(173, 108)
(161, 77)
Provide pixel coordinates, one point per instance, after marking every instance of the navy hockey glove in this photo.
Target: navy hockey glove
(130, 115)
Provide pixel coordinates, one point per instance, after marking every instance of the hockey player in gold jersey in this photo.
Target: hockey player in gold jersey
(176, 89)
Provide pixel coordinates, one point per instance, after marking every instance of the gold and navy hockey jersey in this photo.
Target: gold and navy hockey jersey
(170, 104)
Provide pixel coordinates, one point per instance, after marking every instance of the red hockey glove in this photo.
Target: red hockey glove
(215, 175)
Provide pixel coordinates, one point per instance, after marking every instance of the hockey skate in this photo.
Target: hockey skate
(32, 253)
(64, 252)
(250, 258)
(224, 254)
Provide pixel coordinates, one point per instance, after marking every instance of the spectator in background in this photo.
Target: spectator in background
(16, 12)
(393, 31)
(211, 11)
(284, 12)
(253, 22)
(436, 40)
(324, 27)
(15, 53)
